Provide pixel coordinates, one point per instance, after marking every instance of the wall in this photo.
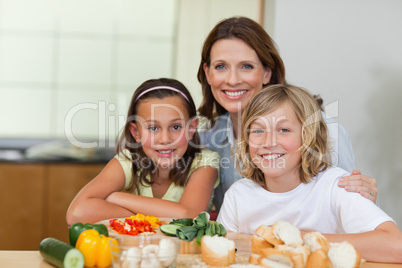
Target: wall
(350, 53)
(73, 65)
(69, 68)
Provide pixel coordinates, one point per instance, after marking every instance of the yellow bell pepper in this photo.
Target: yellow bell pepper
(95, 248)
(154, 221)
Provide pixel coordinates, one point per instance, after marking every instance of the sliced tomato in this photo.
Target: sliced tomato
(136, 226)
(133, 232)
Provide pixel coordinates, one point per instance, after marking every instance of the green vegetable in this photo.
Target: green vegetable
(210, 229)
(77, 228)
(61, 254)
(187, 229)
(220, 229)
(186, 233)
(201, 221)
(169, 229)
(200, 234)
(182, 222)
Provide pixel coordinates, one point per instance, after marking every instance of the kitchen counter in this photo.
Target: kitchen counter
(22, 259)
(51, 151)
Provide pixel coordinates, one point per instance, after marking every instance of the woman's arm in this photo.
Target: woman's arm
(90, 205)
(384, 244)
(344, 158)
(359, 183)
(196, 197)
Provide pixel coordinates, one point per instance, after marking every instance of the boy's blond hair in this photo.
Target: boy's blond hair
(315, 151)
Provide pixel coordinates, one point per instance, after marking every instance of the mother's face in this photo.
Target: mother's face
(235, 74)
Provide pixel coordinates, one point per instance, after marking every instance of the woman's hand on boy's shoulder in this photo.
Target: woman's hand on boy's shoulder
(356, 182)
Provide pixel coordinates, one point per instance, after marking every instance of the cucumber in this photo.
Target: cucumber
(61, 254)
(169, 229)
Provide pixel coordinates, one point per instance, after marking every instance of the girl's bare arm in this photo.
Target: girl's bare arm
(195, 198)
(90, 204)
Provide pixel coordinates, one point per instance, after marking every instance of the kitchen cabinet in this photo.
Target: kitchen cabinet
(65, 181)
(22, 210)
(34, 198)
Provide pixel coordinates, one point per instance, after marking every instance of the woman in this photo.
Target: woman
(239, 58)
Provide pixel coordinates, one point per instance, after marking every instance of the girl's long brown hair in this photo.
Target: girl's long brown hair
(143, 167)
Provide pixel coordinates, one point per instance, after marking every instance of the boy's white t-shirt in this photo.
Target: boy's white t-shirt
(319, 205)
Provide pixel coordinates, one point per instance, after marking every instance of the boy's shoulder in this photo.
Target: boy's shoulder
(332, 173)
(333, 170)
(244, 183)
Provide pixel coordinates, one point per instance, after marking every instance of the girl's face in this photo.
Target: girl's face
(235, 74)
(274, 142)
(163, 127)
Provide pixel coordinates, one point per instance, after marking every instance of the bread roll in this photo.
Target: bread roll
(258, 243)
(217, 250)
(316, 240)
(344, 255)
(299, 254)
(280, 233)
(246, 265)
(288, 233)
(280, 262)
(318, 259)
(277, 255)
(267, 233)
(254, 258)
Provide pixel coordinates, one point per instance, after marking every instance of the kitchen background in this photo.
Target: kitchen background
(69, 67)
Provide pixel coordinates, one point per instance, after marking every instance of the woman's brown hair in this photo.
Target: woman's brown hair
(143, 167)
(315, 149)
(252, 34)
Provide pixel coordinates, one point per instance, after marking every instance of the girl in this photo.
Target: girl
(238, 58)
(159, 169)
(283, 154)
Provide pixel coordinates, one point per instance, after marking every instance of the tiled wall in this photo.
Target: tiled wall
(69, 67)
(75, 63)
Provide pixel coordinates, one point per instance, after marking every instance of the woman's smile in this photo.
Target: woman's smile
(271, 156)
(234, 93)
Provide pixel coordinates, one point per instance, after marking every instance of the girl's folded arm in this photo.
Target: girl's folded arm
(196, 197)
(90, 203)
(384, 244)
(199, 190)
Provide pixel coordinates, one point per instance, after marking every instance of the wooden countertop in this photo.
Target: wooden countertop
(33, 259)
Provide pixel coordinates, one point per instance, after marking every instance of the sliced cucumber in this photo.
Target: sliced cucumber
(61, 254)
(169, 229)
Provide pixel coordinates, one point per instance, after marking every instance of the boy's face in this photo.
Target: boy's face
(274, 140)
